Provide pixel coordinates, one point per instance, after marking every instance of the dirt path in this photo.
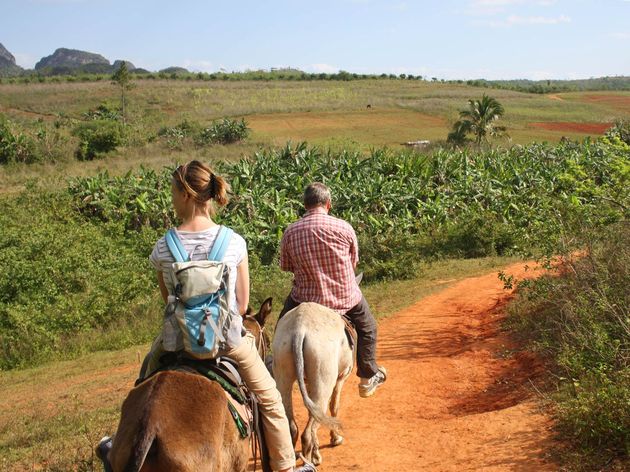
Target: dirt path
(457, 397)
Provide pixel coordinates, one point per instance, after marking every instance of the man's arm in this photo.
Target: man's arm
(286, 263)
(354, 250)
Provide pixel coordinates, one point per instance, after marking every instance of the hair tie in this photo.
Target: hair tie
(213, 185)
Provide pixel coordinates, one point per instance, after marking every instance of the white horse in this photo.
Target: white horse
(310, 346)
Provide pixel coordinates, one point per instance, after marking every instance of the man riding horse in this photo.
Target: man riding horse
(322, 252)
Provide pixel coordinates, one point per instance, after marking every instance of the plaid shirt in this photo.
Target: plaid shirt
(322, 252)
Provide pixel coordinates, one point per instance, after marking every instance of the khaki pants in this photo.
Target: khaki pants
(259, 381)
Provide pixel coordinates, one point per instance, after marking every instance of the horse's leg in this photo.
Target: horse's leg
(307, 440)
(320, 392)
(336, 439)
(284, 385)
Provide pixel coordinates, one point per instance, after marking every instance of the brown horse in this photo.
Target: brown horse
(177, 421)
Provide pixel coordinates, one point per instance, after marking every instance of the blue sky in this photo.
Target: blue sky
(449, 39)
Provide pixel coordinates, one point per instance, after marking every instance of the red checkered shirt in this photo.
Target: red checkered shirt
(322, 252)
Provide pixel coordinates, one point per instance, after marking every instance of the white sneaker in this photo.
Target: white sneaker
(367, 389)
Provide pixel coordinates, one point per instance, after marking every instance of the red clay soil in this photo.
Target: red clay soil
(573, 127)
(458, 396)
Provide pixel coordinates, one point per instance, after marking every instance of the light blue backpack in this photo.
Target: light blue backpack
(200, 302)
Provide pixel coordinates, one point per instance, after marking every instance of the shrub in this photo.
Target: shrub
(61, 277)
(449, 204)
(225, 131)
(103, 112)
(15, 146)
(51, 144)
(176, 136)
(620, 130)
(97, 137)
(579, 320)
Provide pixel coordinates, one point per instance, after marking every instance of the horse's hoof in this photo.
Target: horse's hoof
(336, 441)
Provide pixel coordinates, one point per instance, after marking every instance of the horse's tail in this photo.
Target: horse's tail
(315, 411)
(137, 440)
(140, 449)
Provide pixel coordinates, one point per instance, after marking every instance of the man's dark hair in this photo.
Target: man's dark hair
(316, 194)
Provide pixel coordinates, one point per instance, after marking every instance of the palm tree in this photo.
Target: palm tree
(479, 119)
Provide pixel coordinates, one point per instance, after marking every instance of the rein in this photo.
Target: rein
(261, 346)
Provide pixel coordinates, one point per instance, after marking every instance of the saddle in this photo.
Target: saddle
(242, 404)
(351, 334)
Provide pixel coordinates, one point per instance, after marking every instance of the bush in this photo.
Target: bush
(15, 146)
(448, 204)
(176, 136)
(103, 112)
(97, 137)
(225, 131)
(61, 277)
(620, 130)
(579, 320)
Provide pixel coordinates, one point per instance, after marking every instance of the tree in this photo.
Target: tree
(122, 79)
(458, 137)
(479, 119)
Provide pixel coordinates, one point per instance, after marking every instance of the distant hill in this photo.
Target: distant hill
(8, 67)
(73, 61)
(175, 70)
(70, 58)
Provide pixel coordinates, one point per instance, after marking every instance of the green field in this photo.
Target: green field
(327, 113)
(75, 234)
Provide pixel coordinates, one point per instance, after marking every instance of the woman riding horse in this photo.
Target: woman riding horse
(195, 191)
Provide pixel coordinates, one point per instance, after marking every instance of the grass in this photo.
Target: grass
(329, 113)
(51, 416)
(14, 177)
(370, 127)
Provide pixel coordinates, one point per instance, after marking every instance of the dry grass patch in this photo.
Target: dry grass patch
(370, 127)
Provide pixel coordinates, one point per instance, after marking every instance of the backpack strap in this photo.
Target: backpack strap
(221, 244)
(175, 246)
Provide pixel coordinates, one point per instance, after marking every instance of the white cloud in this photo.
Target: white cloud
(400, 6)
(199, 65)
(622, 36)
(322, 68)
(539, 75)
(493, 7)
(516, 20)
(537, 20)
(26, 61)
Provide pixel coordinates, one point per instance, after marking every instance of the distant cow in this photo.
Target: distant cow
(369, 106)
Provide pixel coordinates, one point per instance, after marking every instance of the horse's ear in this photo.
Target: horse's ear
(248, 312)
(265, 310)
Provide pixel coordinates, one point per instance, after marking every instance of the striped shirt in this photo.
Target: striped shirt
(199, 244)
(322, 252)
